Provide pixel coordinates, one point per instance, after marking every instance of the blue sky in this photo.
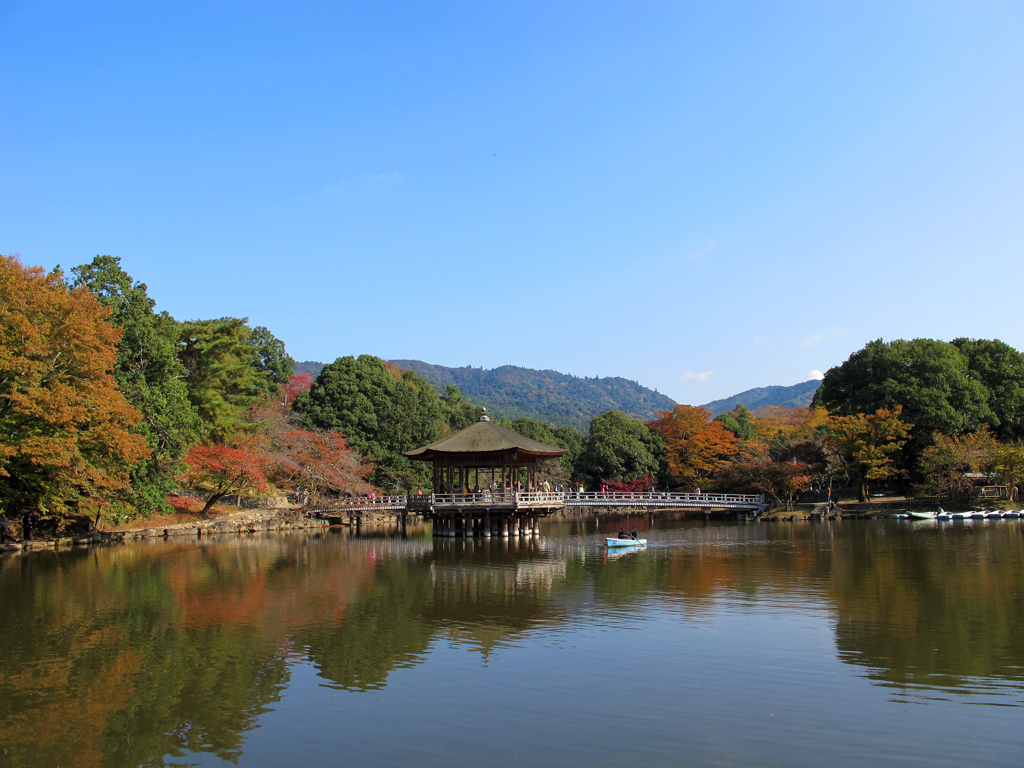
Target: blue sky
(703, 197)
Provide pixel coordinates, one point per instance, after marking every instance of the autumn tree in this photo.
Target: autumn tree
(783, 481)
(222, 470)
(297, 384)
(320, 464)
(150, 377)
(66, 431)
(946, 466)
(869, 443)
(696, 446)
(1008, 460)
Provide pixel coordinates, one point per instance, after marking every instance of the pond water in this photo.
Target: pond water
(851, 643)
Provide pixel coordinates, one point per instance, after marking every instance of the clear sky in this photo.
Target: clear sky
(701, 196)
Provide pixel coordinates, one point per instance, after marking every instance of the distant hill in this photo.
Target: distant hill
(548, 396)
(312, 367)
(561, 399)
(796, 396)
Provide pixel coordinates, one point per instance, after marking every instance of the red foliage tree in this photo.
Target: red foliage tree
(224, 470)
(317, 463)
(642, 484)
(297, 384)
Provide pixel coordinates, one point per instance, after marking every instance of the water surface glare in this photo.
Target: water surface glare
(853, 643)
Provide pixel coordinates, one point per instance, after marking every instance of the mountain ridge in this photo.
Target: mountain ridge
(545, 395)
(566, 400)
(795, 396)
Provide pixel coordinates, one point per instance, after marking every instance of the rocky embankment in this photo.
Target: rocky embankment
(248, 521)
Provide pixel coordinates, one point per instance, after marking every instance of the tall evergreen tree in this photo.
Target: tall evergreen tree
(228, 366)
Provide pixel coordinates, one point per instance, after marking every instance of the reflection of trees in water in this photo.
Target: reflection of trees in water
(126, 654)
(123, 655)
(935, 606)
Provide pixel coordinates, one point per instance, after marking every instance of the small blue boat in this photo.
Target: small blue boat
(626, 542)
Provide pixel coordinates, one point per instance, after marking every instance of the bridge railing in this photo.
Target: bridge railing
(482, 498)
(363, 502)
(552, 498)
(648, 498)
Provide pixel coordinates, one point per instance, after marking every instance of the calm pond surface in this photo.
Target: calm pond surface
(854, 643)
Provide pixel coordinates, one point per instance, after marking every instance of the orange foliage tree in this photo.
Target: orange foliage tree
(868, 442)
(696, 446)
(65, 429)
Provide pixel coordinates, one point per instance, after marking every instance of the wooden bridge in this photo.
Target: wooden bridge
(508, 513)
(526, 500)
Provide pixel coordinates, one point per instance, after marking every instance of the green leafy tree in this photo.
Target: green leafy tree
(739, 421)
(149, 376)
(381, 411)
(619, 448)
(928, 379)
(1000, 369)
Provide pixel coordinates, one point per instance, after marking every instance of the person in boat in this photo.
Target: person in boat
(623, 534)
(636, 535)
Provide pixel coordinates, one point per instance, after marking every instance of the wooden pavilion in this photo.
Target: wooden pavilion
(486, 475)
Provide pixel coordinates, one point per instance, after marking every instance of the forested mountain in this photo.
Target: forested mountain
(312, 367)
(796, 396)
(548, 396)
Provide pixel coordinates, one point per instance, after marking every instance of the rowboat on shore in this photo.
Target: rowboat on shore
(626, 542)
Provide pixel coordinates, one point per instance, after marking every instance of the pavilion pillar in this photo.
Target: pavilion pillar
(487, 518)
(504, 527)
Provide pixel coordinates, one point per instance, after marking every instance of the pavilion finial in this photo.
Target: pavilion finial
(483, 415)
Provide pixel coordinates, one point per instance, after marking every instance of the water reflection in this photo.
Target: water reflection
(142, 654)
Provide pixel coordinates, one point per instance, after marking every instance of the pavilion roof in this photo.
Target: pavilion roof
(485, 437)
